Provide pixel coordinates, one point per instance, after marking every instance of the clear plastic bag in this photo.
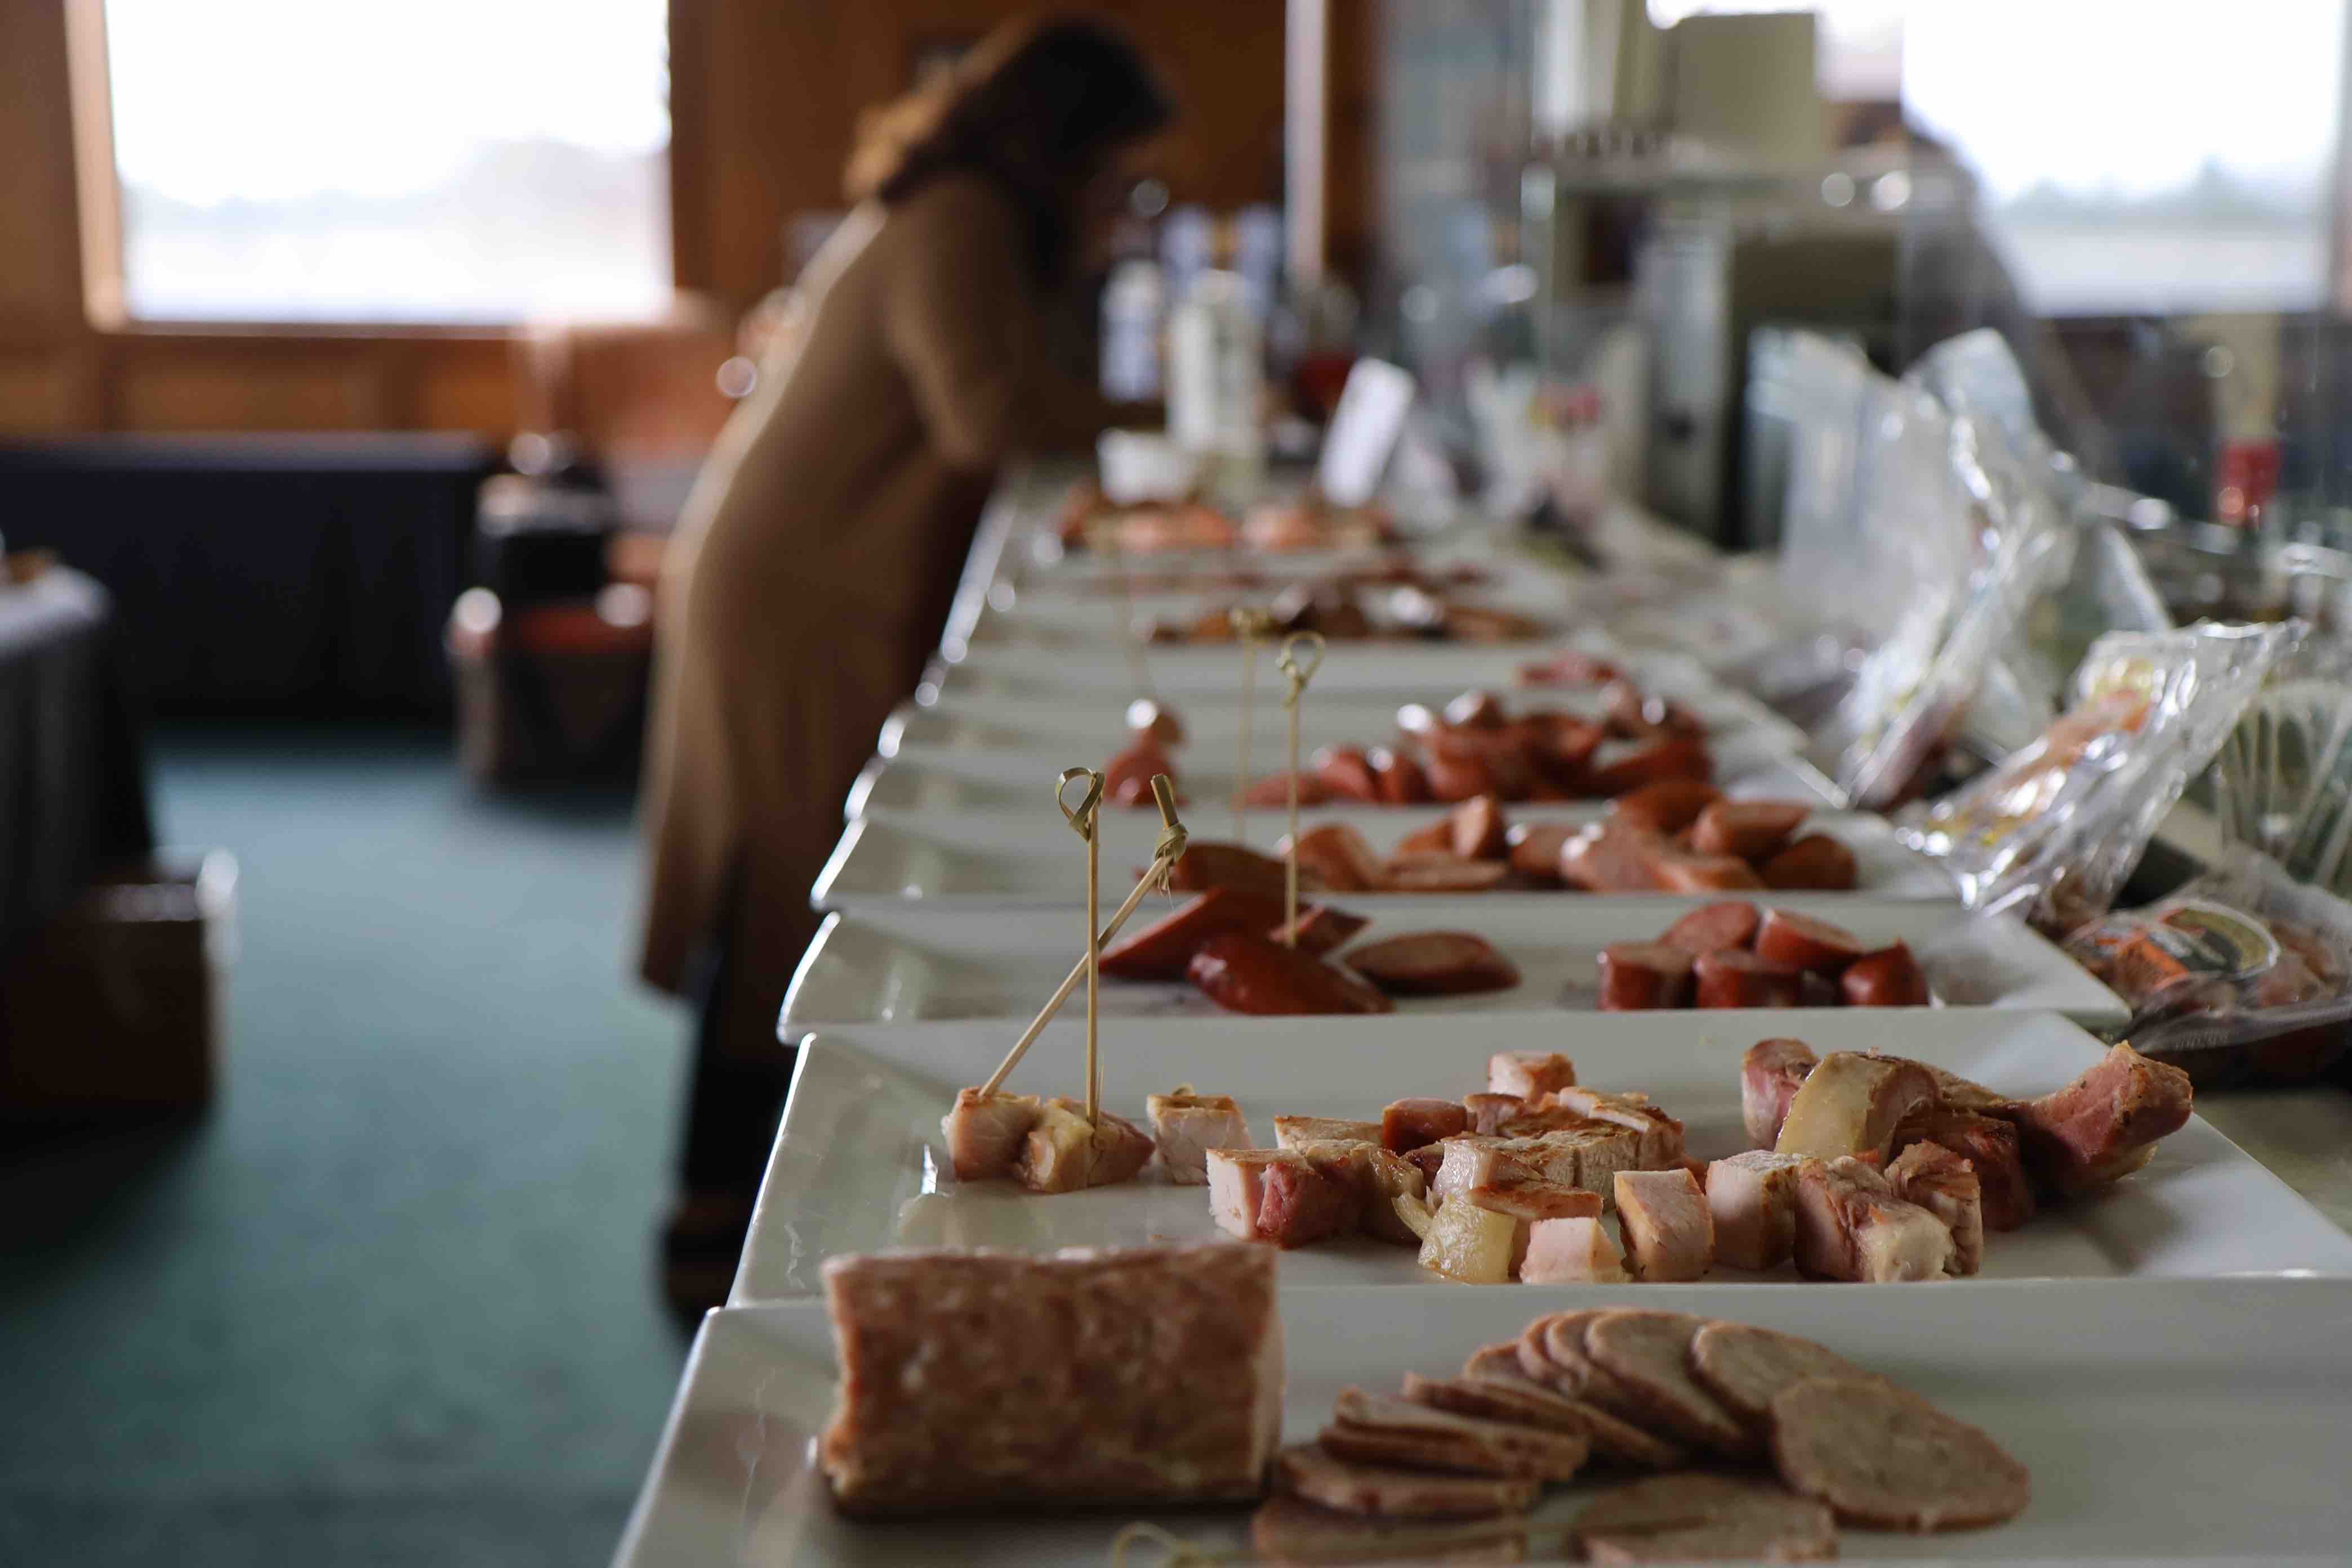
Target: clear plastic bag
(2243, 974)
(2053, 831)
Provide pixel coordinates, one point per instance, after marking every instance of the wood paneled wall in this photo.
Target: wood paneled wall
(765, 96)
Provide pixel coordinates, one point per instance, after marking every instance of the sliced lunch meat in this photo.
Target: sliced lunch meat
(1289, 1530)
(1753, 1199)
(1615, 1440)
(1529, 1073)
(1612, 858)
(1770, 1076)
(1852, 1226)
(1407, 1124)
(1319, 928)
(1451, 1442)
(1801, 941)
(1573, 1251)
(1065, 1152)
(1534, 849)
(1290, 1131)
(1711, 928)
(2106, 1124)
(1815, 863)
(1699, 1518)
(1751, 829)
(1434, 963)
(1851, 1104)
(985, 1132)
(1346, 773)
(1669, 1233)
(1479, 830)
(1736, 978)
(1205, 864)
(1198, 1419)
(1185, 1126)
(1317, 1476)
(1244, 973)
(1489, 1111)
(1747, 1367)
(1398, 777)
(1946, 1185)
(1514, 1400)
(1683, 870)
(1640, 977)
(1648, 1354)
(1666, 806)
(1339, 858)
(1890, 977)
(1885, 1459)
(1162, 949)
(1990, 1147)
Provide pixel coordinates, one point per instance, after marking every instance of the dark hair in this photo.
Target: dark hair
(1035, 107)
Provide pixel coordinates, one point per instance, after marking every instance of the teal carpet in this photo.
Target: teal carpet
(393, 1301)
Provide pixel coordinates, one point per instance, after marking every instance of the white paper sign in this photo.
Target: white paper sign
(1363, 431)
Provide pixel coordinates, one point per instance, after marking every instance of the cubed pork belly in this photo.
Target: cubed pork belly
(1661, 1136)
(1601, 1150)
(1530, 1203)
(1753, 1198)
(1945, 1185)
(1290, 1530)
(1571, 1252)
(1470, 1161)
(1276, 1195)
(1185, 1126)
(1468, 1243)
(1290, 1131)
(1669, 1233)
(2105, 1124)
(1851, 1104)
(1489, 1111)
(1851, 1225)
(1375, 1177)
(1321, 1476)
(1381, 1428)
(985, 1132)
(1528, 1074)
(1065, 1152)
(1987, 1143)
(980, 1379)
(1770, 1076)
(1408, 1124)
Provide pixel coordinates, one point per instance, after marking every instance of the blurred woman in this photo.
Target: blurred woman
(817, 556)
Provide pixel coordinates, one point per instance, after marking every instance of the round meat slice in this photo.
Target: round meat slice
(1801, 941)
(1636, 976)
(1816, 861)
(1738, 978)
(1699, 1517)
(1711, 928)
(1649, 1354)
(1745, 1366)
(1891, 977)
(1434, 963)
(1751, 829)
(1886, 1459)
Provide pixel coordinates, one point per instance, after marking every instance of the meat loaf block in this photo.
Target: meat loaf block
(981, 1379)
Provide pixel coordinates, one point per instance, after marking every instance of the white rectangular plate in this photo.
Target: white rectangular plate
(1751, 762)
(991, 858)
(858, 1164)
(904, 963)
(2202, 1422)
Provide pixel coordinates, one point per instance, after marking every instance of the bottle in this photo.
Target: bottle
(1216, 374)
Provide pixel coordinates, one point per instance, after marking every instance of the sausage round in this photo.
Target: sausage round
(1434, 963)
(1735, 977)
(1816, 862)
(1479, 831)
(1681, 871)
(1346, 772)
(1711, 928)
(1612, 858)
(1891, 977)
(1244, 973)
(1669, 805)
(1681, 757)
(1801, 941)
(1397, 776)
(1636, 976)
(1751, 829)
(1535, 848)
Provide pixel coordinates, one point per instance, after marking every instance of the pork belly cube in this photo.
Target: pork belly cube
(985, 1132)
(1377, 1178)
(1770, 1076)
(1489, 1111)
(1851, 1104)
(1528, 1203)
(1237, 1185)
(1753, 1198)
(1571, 1252)
(1300, 1204)
(1852, 1226)
(1661, 1136)
(1601, 1150)
(1058, 1154)
(2106, 1124)
(1528, 1074)
(1945, 1185)
(1987, 1143)
(1190, 1411)
(1469, 1242)
(1186, 1126)
(1669, 1233)
(1471, 1161)
(1290, 1131)
(1408, 1124)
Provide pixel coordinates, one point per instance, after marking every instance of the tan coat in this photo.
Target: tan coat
(815, 562)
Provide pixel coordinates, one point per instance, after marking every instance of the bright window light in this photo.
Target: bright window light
(429, 161)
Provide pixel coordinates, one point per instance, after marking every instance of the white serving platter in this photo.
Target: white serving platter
(2202, 1422)
(858, 1164)
(1749, 763)
(1063, 619)
(911, 961)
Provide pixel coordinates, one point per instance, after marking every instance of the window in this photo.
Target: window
(423, 160)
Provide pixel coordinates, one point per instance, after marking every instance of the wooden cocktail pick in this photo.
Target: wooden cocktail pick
(1082, 819)
(1302, 656)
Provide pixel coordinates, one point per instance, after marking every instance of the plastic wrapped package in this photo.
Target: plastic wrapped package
(2243, 974)
(2053, 831)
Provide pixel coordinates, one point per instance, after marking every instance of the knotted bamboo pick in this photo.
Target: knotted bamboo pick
(1250, 625)
(1164, 856)
(1300, 669)
(1082, 821)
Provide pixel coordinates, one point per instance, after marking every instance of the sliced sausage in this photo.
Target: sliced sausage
(1736, 978)
(1162, 949)
(1571, 668)
(1454, 777)
(1506, 755)
(1534, 849)
(1687, 871)
(1347, 774)
(1127, 777)
(1338, 855)
(1444, 874)
(1434, 963)
(1275, 791)
(1397, 776)
(1612, 858)
(1751, 829)
(1636, 976)
(1679, 757)
(1801, 941)
(1480, 833)
(1815, 862)
(1149, 720)
(1476, 711)
(1243, 973)
(1319, 928)
(1886, 1459)
(1891, 977)
(1711, 928)
(1211, 864)
(1563, 746)
(1635, 717)
(1669, 805)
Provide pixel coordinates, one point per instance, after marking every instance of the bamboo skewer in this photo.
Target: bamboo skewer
(1164, 856)
(1084, 821)
(1300, 671)
(1249, 625)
